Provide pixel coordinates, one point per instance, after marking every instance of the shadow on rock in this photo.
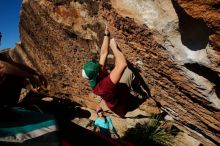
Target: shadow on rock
(62, 109)
(139, 86)
(140, 90)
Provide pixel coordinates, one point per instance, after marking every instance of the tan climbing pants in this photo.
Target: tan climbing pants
(127, 77)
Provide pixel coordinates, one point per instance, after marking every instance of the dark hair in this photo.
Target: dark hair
(105, 119)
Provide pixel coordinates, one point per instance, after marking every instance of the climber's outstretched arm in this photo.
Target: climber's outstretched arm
(104, 48)
(120, 63)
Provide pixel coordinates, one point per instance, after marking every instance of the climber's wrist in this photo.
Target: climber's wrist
(107, 34)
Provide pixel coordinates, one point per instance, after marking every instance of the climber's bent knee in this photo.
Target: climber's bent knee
(127, 77)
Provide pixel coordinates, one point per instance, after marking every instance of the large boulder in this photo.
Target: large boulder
(174, 44)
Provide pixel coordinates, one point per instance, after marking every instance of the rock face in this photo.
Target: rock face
(174, 43)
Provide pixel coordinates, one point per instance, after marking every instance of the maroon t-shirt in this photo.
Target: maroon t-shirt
(116, 96)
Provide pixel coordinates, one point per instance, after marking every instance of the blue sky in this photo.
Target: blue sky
(9, 19)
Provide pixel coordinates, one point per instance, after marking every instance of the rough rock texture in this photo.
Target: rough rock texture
(174, 43)
(207, 11)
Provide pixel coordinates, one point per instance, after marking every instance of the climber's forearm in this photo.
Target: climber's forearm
(104, 47)
(119, 57)
(120, 63)
(104, 51)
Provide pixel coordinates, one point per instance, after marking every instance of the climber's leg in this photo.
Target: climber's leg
(127, 77)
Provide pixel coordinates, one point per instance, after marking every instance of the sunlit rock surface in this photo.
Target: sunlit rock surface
(174, 43)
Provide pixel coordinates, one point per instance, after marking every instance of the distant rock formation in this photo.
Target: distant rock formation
(175, 45)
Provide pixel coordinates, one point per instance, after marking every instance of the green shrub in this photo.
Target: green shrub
(151, 133)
